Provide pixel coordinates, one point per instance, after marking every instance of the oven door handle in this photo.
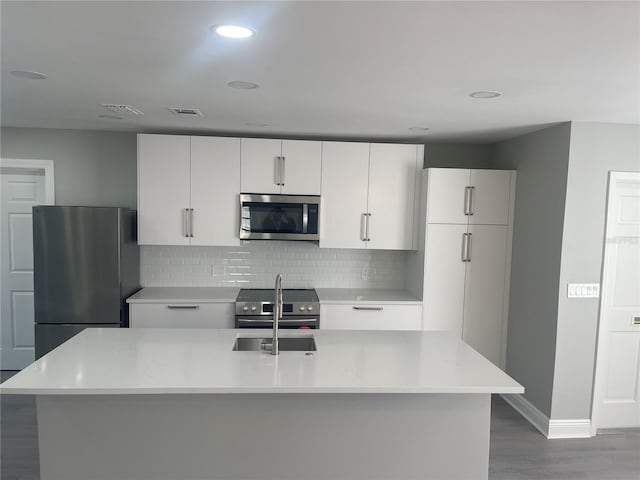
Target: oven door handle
(282, 320)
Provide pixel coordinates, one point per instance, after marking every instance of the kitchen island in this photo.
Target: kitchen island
(168, 404)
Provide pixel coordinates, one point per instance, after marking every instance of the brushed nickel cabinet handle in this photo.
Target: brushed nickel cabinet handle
(355, 307)
(183, 307)
(276, 171)
(467, 200)
(368, 239)
(465, 247)
(363, 227)
(282, 171)
(472, 200)
(185, 222)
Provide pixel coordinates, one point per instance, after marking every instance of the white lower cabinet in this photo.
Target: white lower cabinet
(371, 316)
(181, 315)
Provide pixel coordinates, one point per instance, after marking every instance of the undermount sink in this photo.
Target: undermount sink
(285, 344)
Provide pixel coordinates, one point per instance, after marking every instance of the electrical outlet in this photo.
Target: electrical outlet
(583, 290)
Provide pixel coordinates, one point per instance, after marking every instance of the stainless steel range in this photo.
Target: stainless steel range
(300, 309)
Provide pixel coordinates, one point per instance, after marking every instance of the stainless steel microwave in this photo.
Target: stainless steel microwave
(279, 217)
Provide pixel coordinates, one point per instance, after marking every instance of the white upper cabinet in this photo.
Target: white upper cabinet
(446, 195)
(368, 195)
(163, 189)
(215, 185)
(461, 196)
(188, 190)
(490, 197)
(345, 167)
(289, 167)
(301, 167)
(260, 165)
(392, 193)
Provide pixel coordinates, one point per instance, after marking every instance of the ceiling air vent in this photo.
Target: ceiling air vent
(122, 109)
(189, 112)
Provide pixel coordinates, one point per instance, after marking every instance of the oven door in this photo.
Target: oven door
(312, 323)
(279, 217)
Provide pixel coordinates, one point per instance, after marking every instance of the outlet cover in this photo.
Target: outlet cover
(583, 290)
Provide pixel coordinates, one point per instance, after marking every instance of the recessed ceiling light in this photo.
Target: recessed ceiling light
(243, 85)
(28, 74)
(419, 129)
(186, 111)
(233, 31)
(110, 117)
(120, 108)
(256, 124)
(485, 94)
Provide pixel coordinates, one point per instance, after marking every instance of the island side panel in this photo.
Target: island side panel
(264, 436)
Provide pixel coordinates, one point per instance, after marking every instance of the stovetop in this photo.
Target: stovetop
(289, 295)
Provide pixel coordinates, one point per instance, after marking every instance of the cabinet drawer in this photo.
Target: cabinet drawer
(181, 315)
(371, 317)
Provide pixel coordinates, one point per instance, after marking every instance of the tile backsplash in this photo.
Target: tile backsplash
(255, 264)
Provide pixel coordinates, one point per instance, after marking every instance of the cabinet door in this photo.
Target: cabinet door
(302, 167)
(181, 315)
(215, 186)
(163, 189)
(259, 165)
(446, 195)
(490, 199)
(444, 275)
(392, 189)
(485, 290)
(370, 317)
(345, 167)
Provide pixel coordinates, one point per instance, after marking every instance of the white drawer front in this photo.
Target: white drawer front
(181, 315)
(371, 317)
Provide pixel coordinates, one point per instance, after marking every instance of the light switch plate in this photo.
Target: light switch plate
(583, 290)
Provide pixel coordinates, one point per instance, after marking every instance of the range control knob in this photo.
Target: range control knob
(309, 308)
(253, 308)
(245, 309)
(302, 308)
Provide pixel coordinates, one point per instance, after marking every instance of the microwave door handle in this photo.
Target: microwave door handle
(305, 217)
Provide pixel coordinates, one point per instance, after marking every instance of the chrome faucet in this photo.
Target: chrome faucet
(277, 314)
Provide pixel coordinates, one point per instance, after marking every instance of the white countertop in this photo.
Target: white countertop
(365, 295)
(185, 295)
(191, 361)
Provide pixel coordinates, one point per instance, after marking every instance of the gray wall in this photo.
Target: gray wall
(458, 155)
(596, 149)
(541, 160)
(94, 168)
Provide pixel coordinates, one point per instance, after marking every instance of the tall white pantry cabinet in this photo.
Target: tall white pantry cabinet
(467, 253)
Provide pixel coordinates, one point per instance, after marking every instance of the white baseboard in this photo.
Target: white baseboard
(549, 428)
(569, 428)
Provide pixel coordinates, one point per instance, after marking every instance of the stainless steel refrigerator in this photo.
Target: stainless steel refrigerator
(86, 263)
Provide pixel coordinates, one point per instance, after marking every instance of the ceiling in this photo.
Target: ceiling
(325, 69)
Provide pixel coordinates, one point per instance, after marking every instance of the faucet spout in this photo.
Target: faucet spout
(277, 313)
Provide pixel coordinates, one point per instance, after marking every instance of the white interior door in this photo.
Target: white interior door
(19, 193)
(617, 385)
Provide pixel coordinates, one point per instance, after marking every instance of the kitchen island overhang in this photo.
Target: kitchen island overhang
(165, 404)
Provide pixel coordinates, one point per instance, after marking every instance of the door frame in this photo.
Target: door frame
(600, 362)
(27, 165)
(32, 166)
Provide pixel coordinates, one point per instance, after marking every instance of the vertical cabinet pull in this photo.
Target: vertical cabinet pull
(466, 239)
(276, 170)
(185, 222)
(278, 175)
(282, 171)
(363, 227)
(472, 200)
(368, 238)
(191, 222)
(467, 200)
